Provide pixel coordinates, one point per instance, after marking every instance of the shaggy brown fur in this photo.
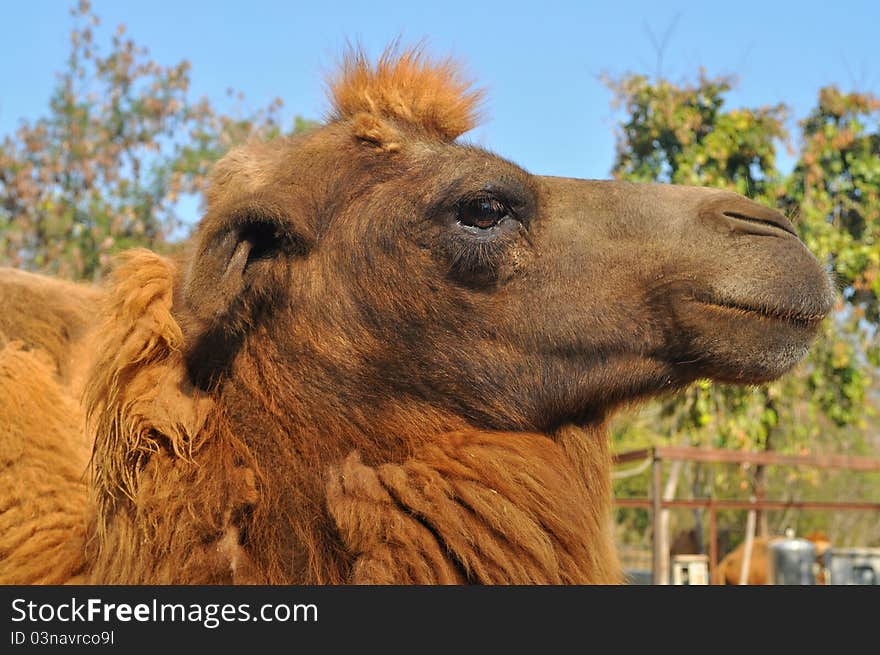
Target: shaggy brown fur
(387, 357)
(150, 425)
(43, 488)
(509, 508)
(50, 315)
(408, 88)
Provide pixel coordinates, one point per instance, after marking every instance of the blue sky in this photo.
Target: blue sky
(540, 63)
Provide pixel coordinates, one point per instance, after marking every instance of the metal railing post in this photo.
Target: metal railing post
(656, 498)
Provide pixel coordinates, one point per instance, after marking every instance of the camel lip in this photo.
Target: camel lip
(799, 319)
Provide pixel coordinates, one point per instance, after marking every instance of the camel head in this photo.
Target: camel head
(376, 264)
(376, 296)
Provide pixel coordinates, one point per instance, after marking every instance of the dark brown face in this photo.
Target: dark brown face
(439, 275)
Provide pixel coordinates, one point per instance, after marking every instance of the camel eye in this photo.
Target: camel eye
(482, 213)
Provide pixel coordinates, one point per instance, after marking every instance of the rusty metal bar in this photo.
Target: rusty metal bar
(713, 540)
(746, 504)
(656, 540)
(633, 456)
(722, 455)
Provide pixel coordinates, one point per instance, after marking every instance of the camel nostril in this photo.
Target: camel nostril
(768, 218)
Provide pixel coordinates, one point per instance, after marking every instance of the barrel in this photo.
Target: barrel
(792, 562)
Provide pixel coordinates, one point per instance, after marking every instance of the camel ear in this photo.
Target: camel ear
(233, 261)
(238, 271)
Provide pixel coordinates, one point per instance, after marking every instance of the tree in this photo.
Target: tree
(683, 133)
(106, 168)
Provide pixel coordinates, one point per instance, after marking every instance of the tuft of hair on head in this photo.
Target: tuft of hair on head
(407, 87)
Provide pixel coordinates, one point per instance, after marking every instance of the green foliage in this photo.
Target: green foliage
(837, 186)
(680, 134)
(106, 168)
(684, 134)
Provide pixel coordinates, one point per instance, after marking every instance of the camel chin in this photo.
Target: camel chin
(747, 346)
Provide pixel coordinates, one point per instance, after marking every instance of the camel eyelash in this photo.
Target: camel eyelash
(470, 256)
(477, 257)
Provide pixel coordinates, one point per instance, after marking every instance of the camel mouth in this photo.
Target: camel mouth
(799, 319)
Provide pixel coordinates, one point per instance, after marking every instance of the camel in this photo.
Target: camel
(384, 356)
